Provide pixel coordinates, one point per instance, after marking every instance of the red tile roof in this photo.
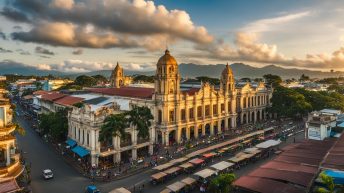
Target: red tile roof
(134, 92)
(263, 185)
(9, 186)
(52, 96)
(68, 100)
(40, 92)
(335, 158)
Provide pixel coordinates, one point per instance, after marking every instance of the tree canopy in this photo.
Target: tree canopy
(114, 126)
(273, 80)
(141, 117)
(85, 81)
(144, 78)
(214, 81)
(222, 183)
(100, 79)
(55, 125)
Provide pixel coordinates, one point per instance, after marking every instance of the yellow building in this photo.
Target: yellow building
(117, 78)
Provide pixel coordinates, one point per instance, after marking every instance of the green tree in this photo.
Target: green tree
(222, 183)
(245, 79)
(288, 102)
(143, 78)
(85, 81)
(141, 117)
(114, 125)
(20, 130)
(214, 81)
(328, 181)
(273, 80)
(55, 125)
(304, 77)
(100, 79)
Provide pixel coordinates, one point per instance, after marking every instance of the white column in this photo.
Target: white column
(212, 128)
(134, 154)
(8, 155)
(167, 140)
(93, 140)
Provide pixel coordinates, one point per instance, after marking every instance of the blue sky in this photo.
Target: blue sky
(294, 33)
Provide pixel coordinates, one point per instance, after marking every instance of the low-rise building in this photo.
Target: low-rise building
(319, 125)
(49, 85)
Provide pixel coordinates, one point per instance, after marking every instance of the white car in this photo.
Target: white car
(47, 174)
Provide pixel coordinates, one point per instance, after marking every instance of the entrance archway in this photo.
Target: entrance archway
(171, 137)
(183, 133)
(215, 128)
(192, 132)
(222, 125)
(244, 118)
(258, 116)
(199, 130)
(207, 129)
(252, 117)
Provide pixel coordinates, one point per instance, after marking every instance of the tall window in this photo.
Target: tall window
(199, 111)
(182, 114)
(172, 116)
(229, 106)
(159, 116)
(191, 113)
(207, 110)
(215, 109)
(244, 105)
(88, 139)
(222, 107)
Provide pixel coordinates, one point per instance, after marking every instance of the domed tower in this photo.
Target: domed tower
(227, 80)
(117, 76)
(167, 76)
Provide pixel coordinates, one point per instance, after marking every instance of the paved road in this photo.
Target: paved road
(68, 180)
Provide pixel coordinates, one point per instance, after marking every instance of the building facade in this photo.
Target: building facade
(180, 114)
(10, 166)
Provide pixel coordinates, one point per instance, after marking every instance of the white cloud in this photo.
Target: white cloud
(269, 24)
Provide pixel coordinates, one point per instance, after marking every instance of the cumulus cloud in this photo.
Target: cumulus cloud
(23, 52)
(78, 51)
(103, 23)
(2, 50)
(41, 50)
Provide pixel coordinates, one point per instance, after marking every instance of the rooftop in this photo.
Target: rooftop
(68, 100)
(132, 92)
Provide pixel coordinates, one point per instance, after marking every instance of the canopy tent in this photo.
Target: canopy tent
(82, 152)
(188, 181)
(338, 176)
(186, 165)
(163, 166)
(158, 176)
(268, 144)
(120, 190)
(196, 161)
(71, 143)
(237, 159)
(172, 170)
(175, 187)
(179, 160)
(222, 165)
(205, 173)
(166, 191)
(249, 150)
(209, 155)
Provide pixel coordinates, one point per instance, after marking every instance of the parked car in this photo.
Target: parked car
(48, 174)
(92, 189)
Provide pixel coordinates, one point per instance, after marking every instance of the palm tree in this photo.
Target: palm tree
(114, 126)
(141, 117)
(328, 181)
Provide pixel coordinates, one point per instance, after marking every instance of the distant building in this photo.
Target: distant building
(117, 78)
(319, 125)
(49, 85)
(2, 78)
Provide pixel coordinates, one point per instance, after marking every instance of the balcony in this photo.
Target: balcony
(126, 143)
(107, 148)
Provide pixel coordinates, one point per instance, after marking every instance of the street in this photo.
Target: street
(68, 180)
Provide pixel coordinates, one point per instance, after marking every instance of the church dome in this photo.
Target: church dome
(167, 60)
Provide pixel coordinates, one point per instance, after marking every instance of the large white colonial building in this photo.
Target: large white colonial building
(179, 113)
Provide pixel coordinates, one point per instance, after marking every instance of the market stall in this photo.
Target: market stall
(158, 177)
(222, 166)
(163, 166)
(206, 173)
(120, 190)
(176, 187)
(187, 167)
(172, 171)
(196, 161)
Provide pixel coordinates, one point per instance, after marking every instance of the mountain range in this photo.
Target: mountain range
(190, 70)
(240, 70)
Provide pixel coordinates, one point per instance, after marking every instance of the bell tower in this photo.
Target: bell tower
(167, 77)
(117, 77)
(227, 80)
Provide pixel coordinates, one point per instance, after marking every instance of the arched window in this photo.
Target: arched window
(171, 87)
